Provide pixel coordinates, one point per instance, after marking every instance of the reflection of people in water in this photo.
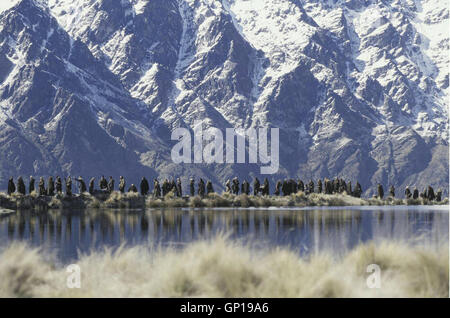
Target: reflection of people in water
(177, 225)
(11, 228)
(51, 226)
(42, 222)
(144, 224)
(69, 226)
(82, 227)
(58, 228)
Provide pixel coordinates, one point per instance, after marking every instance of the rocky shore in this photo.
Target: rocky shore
(117, 200)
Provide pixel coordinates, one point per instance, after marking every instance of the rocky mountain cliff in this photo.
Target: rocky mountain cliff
(358, 88)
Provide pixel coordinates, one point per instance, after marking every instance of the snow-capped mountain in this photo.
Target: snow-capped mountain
(358, 88)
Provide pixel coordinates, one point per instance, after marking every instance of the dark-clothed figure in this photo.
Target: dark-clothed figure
(31, 186)
(265, 189)
(179, 188)
(68, 186)
(209, 187)
(245, 187)
(319, 186)
(380, 191)
(201, 187)
(11, 186)
(415, 193)
(192, 187)
(122, 184)
(228, 186)
(349, 188)
(392, 191)
(51, 187)
(293, 187)
(21, 186)
(336, 185)
(133, 188)
(342, 186)
(41, 186)
(235, 186)
(439, 195)
(81, 185)
(327, 186)
(256, 186)
(408, 193)
(156, 188)
(358, 190)
(311, 186)
(173, 187)
(103, 183)
(145, 187)
(58, 185)
(430, 193)
(111, 184)
(285, 188)
(278, 188)
(301, 186)
(92, 185)
(423, 194)
(331, 188)
(165, 187)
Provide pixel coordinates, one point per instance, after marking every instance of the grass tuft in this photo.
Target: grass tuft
(220, 268)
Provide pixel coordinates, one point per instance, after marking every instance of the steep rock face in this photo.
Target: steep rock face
(60, 105)
(139, 43)
(359, 89)
(377, 82)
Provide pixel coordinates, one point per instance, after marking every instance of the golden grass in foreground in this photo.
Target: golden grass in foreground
(220, 268)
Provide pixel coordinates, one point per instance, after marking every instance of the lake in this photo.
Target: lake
(308, 230)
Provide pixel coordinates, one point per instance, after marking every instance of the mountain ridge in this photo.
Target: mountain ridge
(356, 90)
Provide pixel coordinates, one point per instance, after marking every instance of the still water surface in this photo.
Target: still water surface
(67, 233)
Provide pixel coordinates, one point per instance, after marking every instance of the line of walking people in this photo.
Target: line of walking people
(286, 187)
(290, 186)
(428, 193)
(55, 186)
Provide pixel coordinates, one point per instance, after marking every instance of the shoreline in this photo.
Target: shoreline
(117, 200)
